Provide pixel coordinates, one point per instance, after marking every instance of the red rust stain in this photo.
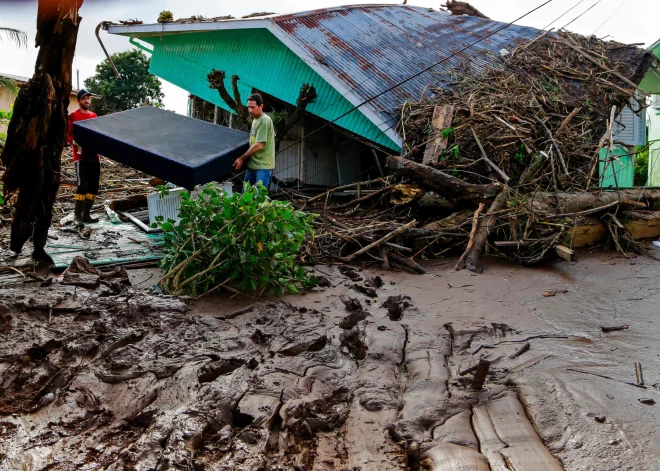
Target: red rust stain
(346, 78)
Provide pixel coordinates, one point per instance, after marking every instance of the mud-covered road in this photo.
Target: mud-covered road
(360, 375)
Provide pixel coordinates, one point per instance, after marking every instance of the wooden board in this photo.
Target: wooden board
(442, 116)
(646, 225)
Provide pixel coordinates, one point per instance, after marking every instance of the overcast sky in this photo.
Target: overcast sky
(635, 21)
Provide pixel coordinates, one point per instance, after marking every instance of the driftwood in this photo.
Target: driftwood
(442, 116)
(484, 228)
(441, 182)
(577, 202)
(37, 130)
(475, 224)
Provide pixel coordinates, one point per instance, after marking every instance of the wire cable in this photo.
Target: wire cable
(609, 17)
(580, 15)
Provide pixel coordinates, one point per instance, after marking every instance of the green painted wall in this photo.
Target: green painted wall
(624, 172)
(261, 61)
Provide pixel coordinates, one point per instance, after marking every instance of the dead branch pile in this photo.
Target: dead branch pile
(505, 159)
(545, 99)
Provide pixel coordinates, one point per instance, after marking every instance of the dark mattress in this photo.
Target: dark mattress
(178, 149)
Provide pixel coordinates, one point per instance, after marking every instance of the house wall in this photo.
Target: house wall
(629, 131)
(654, 141)
(263, 63)
(7, 100)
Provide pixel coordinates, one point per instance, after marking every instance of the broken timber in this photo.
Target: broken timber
(441, 182)
(442, 116)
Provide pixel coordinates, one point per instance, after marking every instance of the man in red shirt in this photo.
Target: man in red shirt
(87, 162)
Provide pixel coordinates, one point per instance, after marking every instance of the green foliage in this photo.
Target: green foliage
(641, 166)
(453, 151)
(243, 242)
(16, 36)
(5, 117)
(8, 85)
(447, 133)
(137, 86)
(520, 154)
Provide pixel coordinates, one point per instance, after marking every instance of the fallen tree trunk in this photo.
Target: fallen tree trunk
(576, 202)
(37, 130)
(444, 184)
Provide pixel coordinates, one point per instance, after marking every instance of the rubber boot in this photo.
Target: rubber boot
(78, 214)
(42, 259)
(86, 216)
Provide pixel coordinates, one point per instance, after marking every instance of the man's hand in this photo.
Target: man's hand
(238, 163)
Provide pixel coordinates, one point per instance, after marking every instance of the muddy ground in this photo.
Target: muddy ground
(363, 374)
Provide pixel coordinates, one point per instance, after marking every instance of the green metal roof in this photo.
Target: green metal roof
(261, 61)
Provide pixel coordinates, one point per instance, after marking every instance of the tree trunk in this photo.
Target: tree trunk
(444, 184)
(285, 120)
(576, 202)
(37, 130)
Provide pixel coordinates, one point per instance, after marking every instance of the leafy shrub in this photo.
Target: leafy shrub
(641, 166)
(243, 242)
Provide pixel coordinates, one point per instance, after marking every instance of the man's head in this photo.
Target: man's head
(255, 105)
(84, 99)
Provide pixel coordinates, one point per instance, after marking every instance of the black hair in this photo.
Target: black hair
(257, 98)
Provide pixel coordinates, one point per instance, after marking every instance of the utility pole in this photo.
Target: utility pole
(77, 79)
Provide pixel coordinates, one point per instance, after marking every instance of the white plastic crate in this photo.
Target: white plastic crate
(169, 205)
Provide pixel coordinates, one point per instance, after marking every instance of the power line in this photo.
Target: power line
(580, 15)
(609, 17)
(563, 14)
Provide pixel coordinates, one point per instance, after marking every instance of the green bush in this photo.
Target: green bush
(243, 242)
(641, 166)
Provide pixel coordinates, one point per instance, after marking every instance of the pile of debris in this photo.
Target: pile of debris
(509, 154)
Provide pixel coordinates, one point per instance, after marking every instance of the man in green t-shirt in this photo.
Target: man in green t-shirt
(261, 153)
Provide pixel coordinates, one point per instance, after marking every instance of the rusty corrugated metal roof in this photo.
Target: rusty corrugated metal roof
(369, 48)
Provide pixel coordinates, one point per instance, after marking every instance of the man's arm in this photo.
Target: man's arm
(256, 147)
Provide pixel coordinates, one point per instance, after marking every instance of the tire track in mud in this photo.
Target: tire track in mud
(282, 387)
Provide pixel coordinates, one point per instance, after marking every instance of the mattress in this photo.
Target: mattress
(176, 148)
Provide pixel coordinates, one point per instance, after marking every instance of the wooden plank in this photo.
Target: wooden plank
(565, 253)
(442, 116)
(645, 226)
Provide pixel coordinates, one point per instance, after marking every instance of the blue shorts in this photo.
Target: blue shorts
(262, 175)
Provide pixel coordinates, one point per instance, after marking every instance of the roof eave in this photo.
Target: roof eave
(158, 29)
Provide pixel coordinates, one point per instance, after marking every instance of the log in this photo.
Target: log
(576, 202)
(38, 127)
(409, 263)
(480, 374)
(484, 228)
(431, 199)
(382, 240)
(444, 184)
(475, 223)
(442, 116)
(565, 253)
